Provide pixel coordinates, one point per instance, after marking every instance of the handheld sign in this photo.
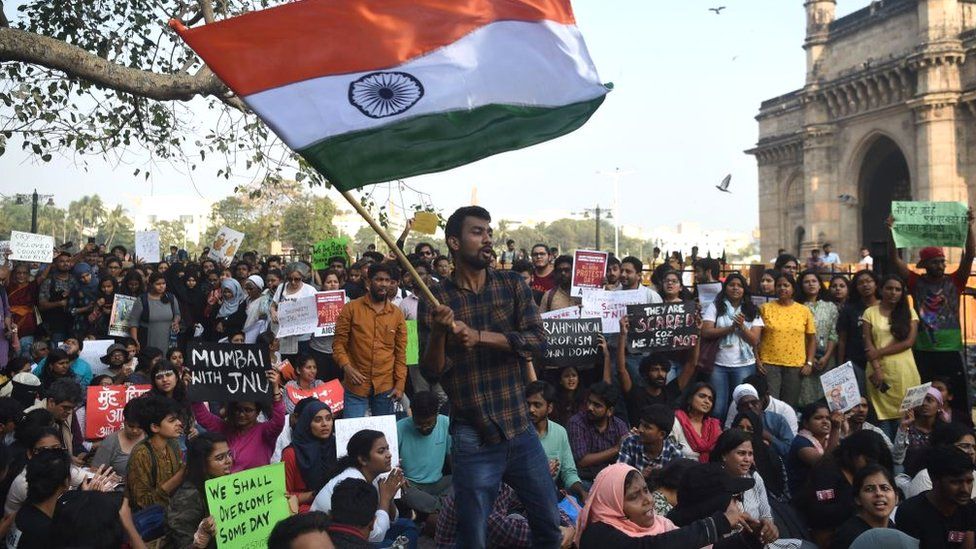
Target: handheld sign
(662, 327)
(104, 405)
(331, 393)
(225, 372)
(610, 306)
(147, 246)
(93, 352)
(565, 312)
(919, 224)
(118, 323)
(326, 249)
(346, 428)
(328, 305)
(30, 247)
(571, 342)
(840, 388)
(298, 317)
(247, 505)
(425, 223)
(227, 243)
(914, 397)
(413, 344)
(707, 292)
(589, 269)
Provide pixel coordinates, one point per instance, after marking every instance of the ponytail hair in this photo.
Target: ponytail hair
(359, 447)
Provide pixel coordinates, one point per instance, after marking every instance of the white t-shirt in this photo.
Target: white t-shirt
(866, 261)
(323, 502)
(648, 295)
(831, 259)
(738, 353)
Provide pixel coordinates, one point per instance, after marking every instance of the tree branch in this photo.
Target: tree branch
(206, 8)
(27, 47)
(3, 17)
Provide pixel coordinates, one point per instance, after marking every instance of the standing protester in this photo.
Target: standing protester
(155, 317)
(613, 274)
(825, 314)
(850, 334)
(788, 341)
(543, 274)
(53, 296)
(939, 346)
(473, 341)
(229, 318)
(22, 300)
(558, 297)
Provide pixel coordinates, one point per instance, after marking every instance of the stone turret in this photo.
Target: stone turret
(820, 14)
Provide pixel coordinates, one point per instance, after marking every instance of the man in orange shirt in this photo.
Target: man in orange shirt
(370, 347)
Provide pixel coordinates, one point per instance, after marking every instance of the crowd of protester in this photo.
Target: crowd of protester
(728, 444)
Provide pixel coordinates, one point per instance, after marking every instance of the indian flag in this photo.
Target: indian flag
(375, 90)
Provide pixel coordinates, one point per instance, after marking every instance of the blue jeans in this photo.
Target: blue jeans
(400, 527)
(356, 406)
(480, 468)
(724, 379)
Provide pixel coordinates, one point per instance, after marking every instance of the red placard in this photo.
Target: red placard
(589, 270)
(331, 394)
(328, 305)
(103, 410)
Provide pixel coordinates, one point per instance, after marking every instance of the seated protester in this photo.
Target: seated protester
(94, 519)
(540, 398)
(620, 513)
(766, 460)
(367, 457)
(954, 435)
(665, 481)
(16, 365)
(40, 439)
(10, 413)
(912, 439)
(944, 385)
(25, 433)
(734, 452)
(875, 497)
(595, 435)
(71, 347)
(115, 449)
(694, 430)
(819, 435)
(116, 357)
(307, 370)
(56, 366)
(769, 404)
(571, 398)
(156, 468)
(775, 429)
(827, 499)
(48, 476)
(354, 504)
(944, 516)
(425, 444)
(311, 454)
(301, 531)
(650, 448)
(61, 398)
(144, 362)
(654, 368)
(188, 521)
(26, 389)
(284, 438)
(251, 442)
(857, 420)
(507, 525)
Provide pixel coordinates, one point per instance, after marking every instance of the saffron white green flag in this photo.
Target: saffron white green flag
(374, 90)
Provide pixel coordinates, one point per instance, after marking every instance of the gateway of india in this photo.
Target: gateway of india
(888, 112)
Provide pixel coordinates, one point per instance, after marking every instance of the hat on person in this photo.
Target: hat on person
(927, 254)
(111, 349)
(257, 281)
(884, 537)
(744, 390)
(706, 489)
(26, 388)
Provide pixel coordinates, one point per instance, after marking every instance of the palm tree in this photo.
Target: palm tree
(116, 222)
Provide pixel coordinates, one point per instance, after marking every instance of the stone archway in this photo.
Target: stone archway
(883, 177)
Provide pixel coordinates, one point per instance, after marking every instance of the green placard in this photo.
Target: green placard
(247, 505)
(919, 224)
(413, 344)
(322, 251)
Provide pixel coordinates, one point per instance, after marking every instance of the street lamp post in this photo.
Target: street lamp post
(598, 212)
(35, 199)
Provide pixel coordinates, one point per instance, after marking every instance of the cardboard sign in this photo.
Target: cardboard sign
(610, 306)
(118, 323)
(571, 342)
(147, 246)
(331, 393)
(104, 405)
(564, 313)
(919, 224)
(914, 397)
(327, 307)
(413, 344)
(662, 326)
(326, 249)
(840, 388)
(298, 317)
(247, 505)
(707, 292)
(224, 372)
(346, 428)
(425, 223)
(225, 245)
(93, 352)
(30, 247)
(760, 300)
(589, 270)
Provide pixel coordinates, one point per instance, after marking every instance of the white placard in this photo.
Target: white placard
(840, 388)
(93, 352)
(225, 245)
(34, 248)
(298, 317)
(914, 397)
(707, 292)
(565, 312)
(760, 300)
(147, 246)
(346, 428)
(611, 306)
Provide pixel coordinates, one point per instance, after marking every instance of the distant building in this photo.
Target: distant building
(192, 211)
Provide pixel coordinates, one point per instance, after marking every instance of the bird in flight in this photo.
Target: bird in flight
(718, 10)
(724, 185)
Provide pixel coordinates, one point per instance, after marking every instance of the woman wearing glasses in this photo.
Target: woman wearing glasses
(188, 522)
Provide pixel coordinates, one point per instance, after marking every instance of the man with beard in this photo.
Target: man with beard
(540, 397)
(939, 346)
(776, 431)
(653, 370)
(487, 319)
(424, 444)
(558, 296)
(767, 403)
(613, 274)
(543, 273)
(649, 447)
(370, 347)
(72, 346)
(595, 434)
(944, 516)
(857, 420)
(53, 299)
(354, 281)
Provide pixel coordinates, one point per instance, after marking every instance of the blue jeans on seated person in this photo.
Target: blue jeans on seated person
(725, 379)
(356, 406)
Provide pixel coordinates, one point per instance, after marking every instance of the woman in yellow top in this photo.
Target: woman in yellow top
(788, 341)
(889, 333)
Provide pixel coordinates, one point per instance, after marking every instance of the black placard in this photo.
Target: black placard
(662, 326)
(224, 372)
(571, 342)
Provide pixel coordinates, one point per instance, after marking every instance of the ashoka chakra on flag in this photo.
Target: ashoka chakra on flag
(370, 91)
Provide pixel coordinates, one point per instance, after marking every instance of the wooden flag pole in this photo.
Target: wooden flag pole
(419, 283)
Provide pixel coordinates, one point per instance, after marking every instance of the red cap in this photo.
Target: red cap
(927, 254)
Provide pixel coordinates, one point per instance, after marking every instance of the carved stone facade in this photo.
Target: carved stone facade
(888, 112)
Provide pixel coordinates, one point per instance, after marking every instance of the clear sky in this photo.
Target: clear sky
(688, 84)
